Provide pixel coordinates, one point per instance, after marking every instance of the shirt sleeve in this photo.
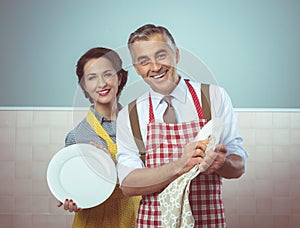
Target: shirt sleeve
(128, 155)
(221, 106)
(70, 139)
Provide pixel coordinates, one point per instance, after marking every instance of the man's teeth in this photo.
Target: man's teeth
(159, 76)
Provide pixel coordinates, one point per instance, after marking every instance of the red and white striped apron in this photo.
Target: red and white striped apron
(165, 143)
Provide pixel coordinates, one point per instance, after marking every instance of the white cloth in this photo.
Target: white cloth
(221, 107)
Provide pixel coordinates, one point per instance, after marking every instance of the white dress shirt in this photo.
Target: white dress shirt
(221, 107)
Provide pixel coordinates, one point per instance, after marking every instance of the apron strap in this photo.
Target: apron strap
(135, 124)
(205, 99)
(97, 127)
(136, 131)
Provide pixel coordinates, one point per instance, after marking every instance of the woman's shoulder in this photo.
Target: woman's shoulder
(81, 130)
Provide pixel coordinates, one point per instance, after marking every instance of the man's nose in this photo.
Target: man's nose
(155, 66)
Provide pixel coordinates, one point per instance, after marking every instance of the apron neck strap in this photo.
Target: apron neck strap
(97, 127)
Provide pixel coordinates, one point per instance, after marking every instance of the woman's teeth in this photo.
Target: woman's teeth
(103, 92)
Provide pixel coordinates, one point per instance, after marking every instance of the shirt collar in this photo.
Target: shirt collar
(179, 93)
(99, 116)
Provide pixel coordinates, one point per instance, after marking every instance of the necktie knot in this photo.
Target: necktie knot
(169, 115)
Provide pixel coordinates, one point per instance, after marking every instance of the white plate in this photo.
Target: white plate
(83, 173)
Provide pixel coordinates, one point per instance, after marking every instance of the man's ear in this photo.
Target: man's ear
(177, 55)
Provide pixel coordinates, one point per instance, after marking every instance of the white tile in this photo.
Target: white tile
(60, 119)
(295, 189)
(21, 220)
(263, 171)
(281, 153)
(23, 204)
(40, 221)
(7, 119)
(24, 135)
(7, 187)
(247, 205)
(250, 171)
(294, 155)
(7, 152)
(264, 153)
(295, 120)
(251, 150)
(41, 135)
(295, 136)
(41, 118)
(263, 137)
(281, 120)
(263, 120)
(23, 170)
(281, 137)
(6, 220)
(40, 188)
(24, 152)
(265, 221)
(7, 170)
(264, 188)
(282, 187)
(246, 188)
(280, 171)
(45, 152)
(57, 221)
(246, 220)
(24, 119)
(281, 205)
(7, 204)
(58, 135)
(246, 119)
(40, 204)
(23, 187)
(7, 135)
(39, 170)
(248, 136)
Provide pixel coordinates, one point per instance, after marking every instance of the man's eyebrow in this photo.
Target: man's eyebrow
(142, 58)
(160, 51)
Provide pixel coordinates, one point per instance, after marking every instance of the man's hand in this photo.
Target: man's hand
(213, 160)
(192, 155)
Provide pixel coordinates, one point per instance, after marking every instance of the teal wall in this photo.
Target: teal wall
(250, 47)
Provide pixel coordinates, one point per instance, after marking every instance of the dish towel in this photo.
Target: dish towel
(174, 199)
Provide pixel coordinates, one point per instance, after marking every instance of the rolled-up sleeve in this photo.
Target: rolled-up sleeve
(128, 155)
(222, 108)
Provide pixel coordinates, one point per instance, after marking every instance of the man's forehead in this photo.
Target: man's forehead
(148, 48)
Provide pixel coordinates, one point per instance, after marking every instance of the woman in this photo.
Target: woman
(102, 78)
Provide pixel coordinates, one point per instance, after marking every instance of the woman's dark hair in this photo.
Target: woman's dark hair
(110, 55)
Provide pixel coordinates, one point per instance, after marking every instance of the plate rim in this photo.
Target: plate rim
(72, 151)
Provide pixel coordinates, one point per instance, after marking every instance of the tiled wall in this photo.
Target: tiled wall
(268, 195)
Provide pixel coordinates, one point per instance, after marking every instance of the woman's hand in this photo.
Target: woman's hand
(100, 147)
(69, 205)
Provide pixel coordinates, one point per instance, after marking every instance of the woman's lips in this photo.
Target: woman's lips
(103, 92)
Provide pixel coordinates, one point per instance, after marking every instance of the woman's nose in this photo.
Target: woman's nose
(101, 81)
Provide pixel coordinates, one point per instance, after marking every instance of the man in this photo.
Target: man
(169, 150)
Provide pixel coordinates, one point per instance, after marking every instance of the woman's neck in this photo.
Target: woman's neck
(109, 111)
